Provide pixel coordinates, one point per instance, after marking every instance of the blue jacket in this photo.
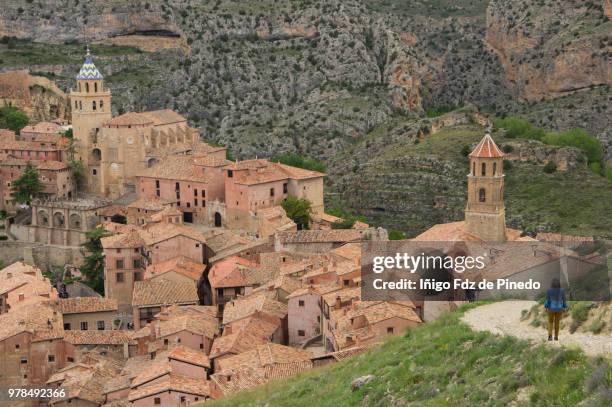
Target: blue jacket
(555, 299)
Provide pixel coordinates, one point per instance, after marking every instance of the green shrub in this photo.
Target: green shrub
(396, 235)
(296, 160)
(466, 150)
(579, 312)
(343, 223)
(520, 128)
(550, 167)
(580, 139)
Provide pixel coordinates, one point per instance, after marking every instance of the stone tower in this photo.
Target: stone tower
(91, 106)
(485, 212)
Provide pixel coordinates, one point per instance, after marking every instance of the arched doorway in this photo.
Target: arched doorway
(217, 220)
(96, 154)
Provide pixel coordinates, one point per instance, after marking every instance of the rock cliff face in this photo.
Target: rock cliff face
(39, 97)
(550, 54)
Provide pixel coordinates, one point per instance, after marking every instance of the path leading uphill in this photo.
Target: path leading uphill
(505, 318)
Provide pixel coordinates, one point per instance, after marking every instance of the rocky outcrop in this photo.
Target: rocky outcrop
(565, 158)
(39, 97)
(546, 55)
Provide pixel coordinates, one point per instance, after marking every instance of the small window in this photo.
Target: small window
(119, 277)
(94, 172)
(138, 276)
(93, 105)
(51, 358)
(69, 359)
(67, 326)
(100, 325)
(301, 332)
(156, 183)
(285, 188)
(482, 195)
(301, 303)
(390, 330)
(17, 346)
(494, 168)
(483, 169)
(84, 326)
(136, 263)
(165, 341)
(118, 250)
(271, 191)
(157, 401)
(230, 173)
(95, 86)
(201, 346)
(120, 264)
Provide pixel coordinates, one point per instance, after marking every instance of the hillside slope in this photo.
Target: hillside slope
(446, 364)
(403, 180)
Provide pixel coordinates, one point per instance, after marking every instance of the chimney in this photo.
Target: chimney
(338, 303)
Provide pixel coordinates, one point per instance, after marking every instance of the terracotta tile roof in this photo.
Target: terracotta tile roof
(255, 325)
(159, 232)
(322, 236)
(204, 325)
(88, 384)
(91, 337)
(164, 116)
(176, 383)
(345, 295)
(181, 265)
(251, 172)
(235, 343)
(42, 127)
(197, 311)
(486, 149)
(285, 370)
(211, 161)
(20, 145)
(176, 167)
(245, 306)
(86, 304)
(264, 355)
(157, 368)
(161, 292)
(561, 238)
(34, 317)
(348, 353)
(150, 203)
(384, 310)
(113, 210)
(131, 239)
(455, 231)
(51, 165)
(129, 119)
(235, 381)
(188, 355)
(232, 271)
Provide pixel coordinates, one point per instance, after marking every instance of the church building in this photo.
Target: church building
(114, 149)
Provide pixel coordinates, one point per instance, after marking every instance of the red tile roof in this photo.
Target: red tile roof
(486, 149)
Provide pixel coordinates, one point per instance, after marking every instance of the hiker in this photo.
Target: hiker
(555, 306)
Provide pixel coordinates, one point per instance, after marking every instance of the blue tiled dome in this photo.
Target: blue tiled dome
(89, 70)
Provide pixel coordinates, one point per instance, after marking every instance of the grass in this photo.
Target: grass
(22, 52)
(444, 363)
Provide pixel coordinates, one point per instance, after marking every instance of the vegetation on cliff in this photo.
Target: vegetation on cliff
(446, 363)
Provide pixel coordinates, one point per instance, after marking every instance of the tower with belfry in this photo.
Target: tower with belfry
(485, 214)
(91, 106)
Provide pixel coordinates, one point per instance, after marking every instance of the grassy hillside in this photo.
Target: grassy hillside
(401, 183)
(446, 364)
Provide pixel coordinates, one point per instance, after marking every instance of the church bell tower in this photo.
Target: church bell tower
(91, 107)
(485, 212)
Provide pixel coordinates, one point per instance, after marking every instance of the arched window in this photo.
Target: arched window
(80, 105)
(86, 87)
(473, 168)
(482, 195)
(484, 169)
(93, 105)
(101, 105)
(494, 168)
(80, 90)
(76, 104)
(95, 86)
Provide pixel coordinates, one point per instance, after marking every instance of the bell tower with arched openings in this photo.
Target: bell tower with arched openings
(91, 107)
(485, 212)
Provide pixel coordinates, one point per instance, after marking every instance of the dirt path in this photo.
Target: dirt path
(505, 318)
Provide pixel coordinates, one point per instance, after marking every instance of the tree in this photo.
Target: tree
(28, 185)
(93, 266)
(296, 160)
(13, 118)
(345, 223)
(396, 235)
(298, 210)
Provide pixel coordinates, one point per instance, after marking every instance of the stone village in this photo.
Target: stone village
(209, 287)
